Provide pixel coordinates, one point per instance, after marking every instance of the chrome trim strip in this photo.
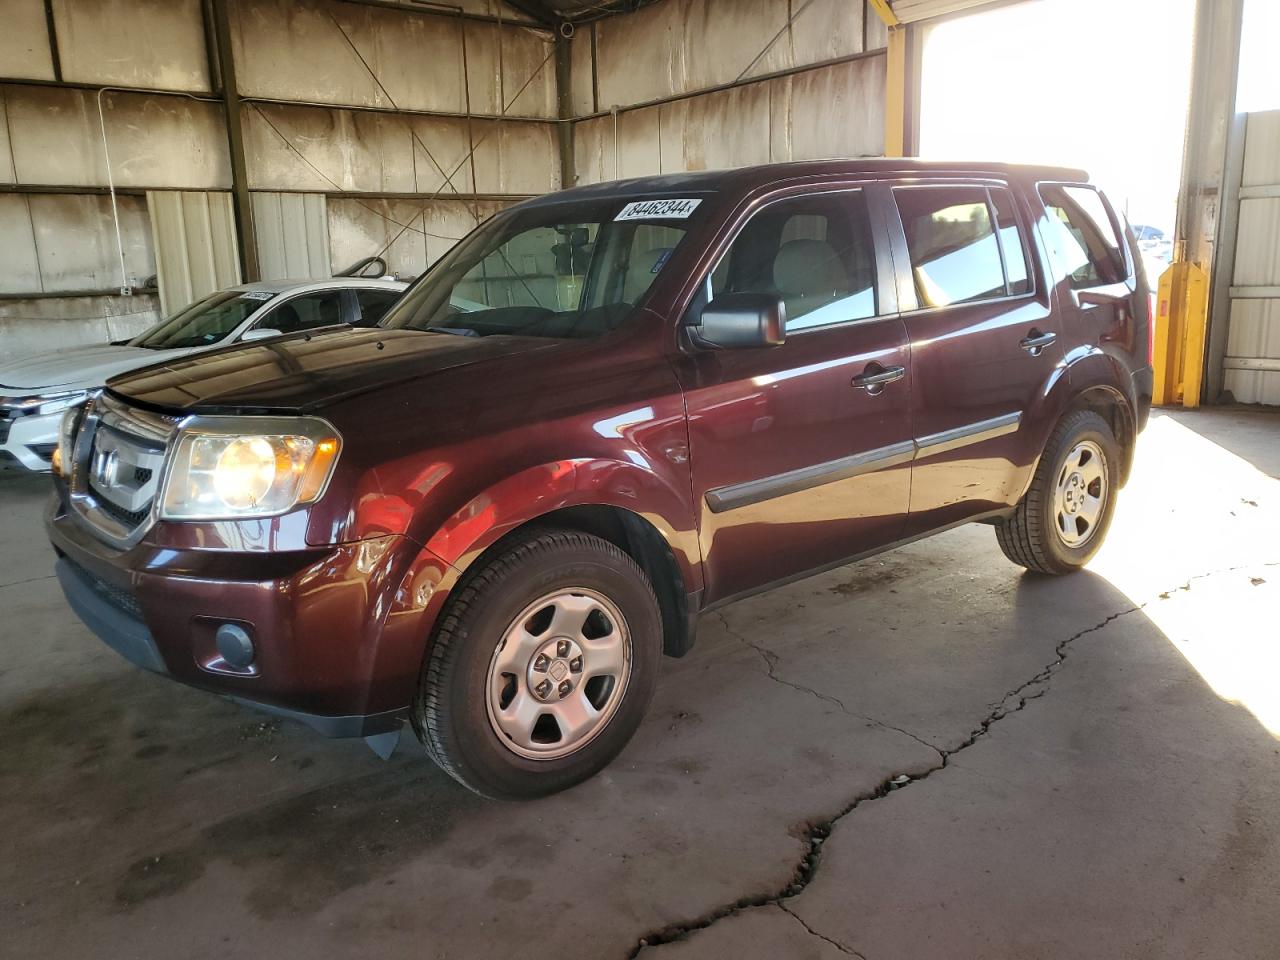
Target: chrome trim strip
(744, 494)
(969, 433)
(753, 491)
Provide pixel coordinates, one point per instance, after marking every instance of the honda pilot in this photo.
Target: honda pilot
(604, 413)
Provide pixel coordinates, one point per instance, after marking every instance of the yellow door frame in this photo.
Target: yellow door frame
(895, 91)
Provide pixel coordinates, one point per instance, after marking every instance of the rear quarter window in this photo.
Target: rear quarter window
(1082, 236)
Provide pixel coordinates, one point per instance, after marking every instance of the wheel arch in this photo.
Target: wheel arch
(1095, 381)
(622, 503)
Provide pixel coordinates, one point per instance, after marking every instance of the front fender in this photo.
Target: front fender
(538, 491)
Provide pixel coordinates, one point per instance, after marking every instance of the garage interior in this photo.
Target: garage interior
(927, 754)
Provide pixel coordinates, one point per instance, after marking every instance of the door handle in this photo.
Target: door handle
(876, 376)
(1035, 342)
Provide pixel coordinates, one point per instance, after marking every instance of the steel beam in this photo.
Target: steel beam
(247, 241)
(1185, 290)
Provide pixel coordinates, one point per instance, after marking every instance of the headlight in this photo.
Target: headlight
(248, 467)
(45, 403)
(67, 427)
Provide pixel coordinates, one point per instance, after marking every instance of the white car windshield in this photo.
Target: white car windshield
(204, 322)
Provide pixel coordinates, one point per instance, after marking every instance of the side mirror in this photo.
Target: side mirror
(735, 320)
(260, 333)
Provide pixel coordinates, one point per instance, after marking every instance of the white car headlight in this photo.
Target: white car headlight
(45, 403)
(67, 427)
(230, 468)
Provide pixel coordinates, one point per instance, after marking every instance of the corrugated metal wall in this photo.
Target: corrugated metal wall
(373, 128)
(362, 106)
(1251, 369)
(195, 240)
(727, 83)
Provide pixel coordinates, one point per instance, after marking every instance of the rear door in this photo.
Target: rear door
(984, 343)
(800, 453)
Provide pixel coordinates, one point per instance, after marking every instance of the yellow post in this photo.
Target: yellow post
(895, 90)
(1182, 319)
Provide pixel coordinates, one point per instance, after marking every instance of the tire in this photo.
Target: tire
(1044, 534)
(509, 648)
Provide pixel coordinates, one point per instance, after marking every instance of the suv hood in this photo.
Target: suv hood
(80, 369)
(300, 372)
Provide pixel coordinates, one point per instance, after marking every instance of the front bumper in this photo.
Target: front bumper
(339, 632)
(27, 442)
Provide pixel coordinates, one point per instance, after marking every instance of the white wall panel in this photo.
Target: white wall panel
(292, 230)
(832, 111)
(155, 141)
(359, 151)
(91, 260)
(139, 43)
(32, 327)
(682, 46)
(419, 232)
(24, 41)
(21, 271)
(195, 243)
(296, 50)
(1251, 367)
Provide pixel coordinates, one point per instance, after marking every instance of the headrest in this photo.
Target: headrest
(805, 267)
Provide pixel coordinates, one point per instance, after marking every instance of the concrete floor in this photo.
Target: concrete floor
(1090, 767)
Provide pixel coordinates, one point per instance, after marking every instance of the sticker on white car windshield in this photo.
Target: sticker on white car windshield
(256, 295)
(658, 210)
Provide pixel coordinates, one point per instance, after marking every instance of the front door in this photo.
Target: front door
(984, 344)
(801, 452)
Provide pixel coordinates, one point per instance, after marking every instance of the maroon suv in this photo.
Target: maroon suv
(602, 414)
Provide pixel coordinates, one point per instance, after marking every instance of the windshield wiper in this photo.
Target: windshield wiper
(455, 331)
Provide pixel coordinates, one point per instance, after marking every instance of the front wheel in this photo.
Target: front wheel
(1060, 523)
(542, 667)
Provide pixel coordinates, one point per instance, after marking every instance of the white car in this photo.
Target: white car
(35, 391)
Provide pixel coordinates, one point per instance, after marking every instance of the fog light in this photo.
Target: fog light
(235, 646)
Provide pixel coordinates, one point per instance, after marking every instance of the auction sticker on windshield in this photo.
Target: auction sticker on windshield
(658, 210)
(256, 295)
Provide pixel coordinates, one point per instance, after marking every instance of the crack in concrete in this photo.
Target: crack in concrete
(18, 583)
(770, 659)
(818, 832)
(821, 936)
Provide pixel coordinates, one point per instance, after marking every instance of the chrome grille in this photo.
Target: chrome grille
(118, 461)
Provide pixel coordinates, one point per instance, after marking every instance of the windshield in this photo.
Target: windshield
(205, 322)
(569, 270)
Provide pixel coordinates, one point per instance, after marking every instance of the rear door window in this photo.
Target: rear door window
(306, 312)
(375, 303)
(815, 252)
(1082, 236)
(951, 241)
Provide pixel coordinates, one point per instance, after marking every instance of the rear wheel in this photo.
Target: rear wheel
(542, 668)
(1061, 521)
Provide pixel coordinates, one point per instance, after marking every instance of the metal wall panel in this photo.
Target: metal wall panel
(21, 273)
(137, 43)
(195, 243)
(24, 41)
(690, 45)
(296, 50)
(155, 141)
(909, 11)
(832, 111)
(292, 230)
(1262, 150)
(326, 149)
(32, 327)
(419, 232)
(40, 257)
(7, 174)
(1251, 367)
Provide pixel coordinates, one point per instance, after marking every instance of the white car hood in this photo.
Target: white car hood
(83, 368)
